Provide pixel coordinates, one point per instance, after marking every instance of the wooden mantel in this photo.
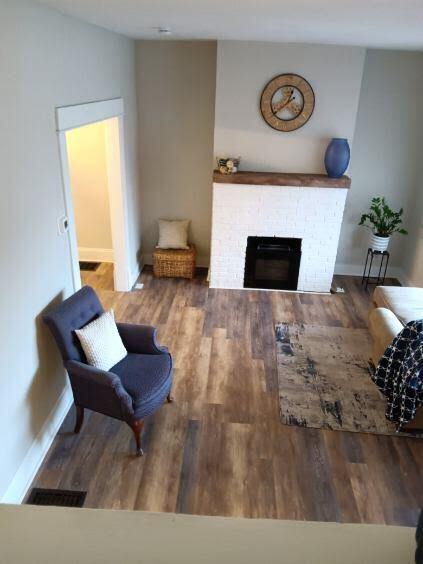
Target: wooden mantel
(282, 179)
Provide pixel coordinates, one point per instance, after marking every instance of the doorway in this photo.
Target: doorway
(87, 158)
(91, 144)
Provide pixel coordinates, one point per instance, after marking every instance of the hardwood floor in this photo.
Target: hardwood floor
(220, 448)
(100, 279)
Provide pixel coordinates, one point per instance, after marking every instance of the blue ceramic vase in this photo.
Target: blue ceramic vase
(337, 157)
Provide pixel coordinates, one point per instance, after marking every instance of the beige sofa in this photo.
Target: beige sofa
(392, 308)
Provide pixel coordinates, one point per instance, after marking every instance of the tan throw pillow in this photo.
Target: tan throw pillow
(101, 342)
(173, 234)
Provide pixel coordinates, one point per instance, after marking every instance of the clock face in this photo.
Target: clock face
(287, 102)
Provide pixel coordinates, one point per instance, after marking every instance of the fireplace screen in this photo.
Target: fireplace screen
(272, 263)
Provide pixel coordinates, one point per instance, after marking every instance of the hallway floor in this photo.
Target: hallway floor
(100, 279)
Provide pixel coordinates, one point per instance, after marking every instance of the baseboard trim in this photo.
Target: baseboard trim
(30, 465)
(134, 274)
(357, 270)
(96, 255)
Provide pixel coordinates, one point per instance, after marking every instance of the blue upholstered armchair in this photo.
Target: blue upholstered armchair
(132, 389)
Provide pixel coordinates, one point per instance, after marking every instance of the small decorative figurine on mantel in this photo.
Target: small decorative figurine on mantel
(228, 165)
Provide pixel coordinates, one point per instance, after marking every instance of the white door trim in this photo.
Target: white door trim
(71, 117)
(116, 181)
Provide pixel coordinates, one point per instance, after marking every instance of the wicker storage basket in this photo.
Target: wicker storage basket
(174, 263)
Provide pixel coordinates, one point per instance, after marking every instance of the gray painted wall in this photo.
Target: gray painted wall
(243, 69)
(386, 152)
(176, 88)
(46, 60)
(413, 259)
(370, 97)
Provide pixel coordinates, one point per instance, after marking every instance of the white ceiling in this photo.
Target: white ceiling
(373, 23)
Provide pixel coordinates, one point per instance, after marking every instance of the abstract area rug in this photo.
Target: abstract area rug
(324, 379)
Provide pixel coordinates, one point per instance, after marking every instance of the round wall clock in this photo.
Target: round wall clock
(287, 102)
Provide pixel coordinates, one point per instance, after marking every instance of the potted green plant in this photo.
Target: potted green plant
(383, 221)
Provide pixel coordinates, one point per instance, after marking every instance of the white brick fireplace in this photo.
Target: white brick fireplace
(311, 213)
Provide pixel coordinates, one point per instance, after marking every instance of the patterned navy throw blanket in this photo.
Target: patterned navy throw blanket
(399, 374)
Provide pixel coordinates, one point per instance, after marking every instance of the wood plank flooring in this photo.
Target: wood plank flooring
(220, 448)
(100, 279)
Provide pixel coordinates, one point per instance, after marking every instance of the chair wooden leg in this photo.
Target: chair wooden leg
(79, 418)
(136, 427)
(169, 398)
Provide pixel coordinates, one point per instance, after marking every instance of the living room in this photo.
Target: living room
(276, 411)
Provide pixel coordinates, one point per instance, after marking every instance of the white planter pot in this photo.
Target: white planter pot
(379, 243)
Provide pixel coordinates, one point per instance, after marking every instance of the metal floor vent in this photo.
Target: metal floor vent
(86, 265)
(60, 498)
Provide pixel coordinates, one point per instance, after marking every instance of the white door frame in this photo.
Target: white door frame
(71, 117)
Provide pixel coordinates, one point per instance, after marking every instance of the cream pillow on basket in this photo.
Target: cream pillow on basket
(173, 234)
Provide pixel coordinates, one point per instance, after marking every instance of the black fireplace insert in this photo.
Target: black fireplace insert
(272, 263)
